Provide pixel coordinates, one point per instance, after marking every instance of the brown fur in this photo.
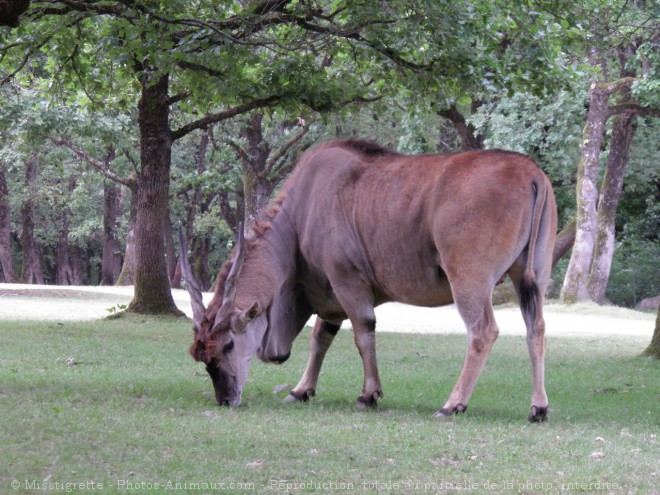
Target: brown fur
(357, 225)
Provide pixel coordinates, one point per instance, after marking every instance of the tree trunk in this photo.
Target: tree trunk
(195, 204)
(31, 269)
(610, 192)
(152, 285)
(230, 214)
(127, 275)
(111, 257)
(257, 190)
(62, 255)
(11, 10)
(202, 255)
(6, 260)
(170, 252)
(575, 286)
(653, 350)
(256, 186)
(63, 271)
(262, 166)
(564, 241)
(471, 139)
(75, 257)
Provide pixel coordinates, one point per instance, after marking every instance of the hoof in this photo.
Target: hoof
(538, 414)
(300, 396)
(447, 412)
(369, 402)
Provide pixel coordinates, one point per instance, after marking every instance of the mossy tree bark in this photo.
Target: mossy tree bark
(653, 350)
(589, 268)
(622, 133)
(577, 274)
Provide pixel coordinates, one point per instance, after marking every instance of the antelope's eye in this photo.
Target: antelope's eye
(228, 347)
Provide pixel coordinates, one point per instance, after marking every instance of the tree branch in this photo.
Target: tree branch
(240, 152)
(614, 86)
(101, 166)
(271, 164)
(224, 115)
(67, 6)
(177, 98)
(564, 241)
(374, 45)
(10, 76)
(201, 68)
(649, 112)
(632, 107)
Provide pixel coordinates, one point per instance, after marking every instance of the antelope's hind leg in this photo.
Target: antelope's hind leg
(477, 313)
(536, 345)
(322, 337)
(531, 298)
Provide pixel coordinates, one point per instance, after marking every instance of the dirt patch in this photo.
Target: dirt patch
(55, 293)
(44, 302)
(59, 303)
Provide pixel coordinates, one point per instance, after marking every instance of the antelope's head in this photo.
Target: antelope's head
(222, 340)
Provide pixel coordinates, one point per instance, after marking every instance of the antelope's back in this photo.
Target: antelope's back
(404, 221)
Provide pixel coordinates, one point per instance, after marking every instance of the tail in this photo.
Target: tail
(529, 290)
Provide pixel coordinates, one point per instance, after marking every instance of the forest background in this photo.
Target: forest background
(121, 120)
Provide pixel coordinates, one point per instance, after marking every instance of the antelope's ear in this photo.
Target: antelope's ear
(246, 316)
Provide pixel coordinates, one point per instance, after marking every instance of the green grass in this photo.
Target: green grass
(136, 411)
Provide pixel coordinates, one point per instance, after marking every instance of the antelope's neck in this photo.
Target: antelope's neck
(268, 264)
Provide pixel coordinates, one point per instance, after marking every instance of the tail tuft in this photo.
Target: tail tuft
(529, 297)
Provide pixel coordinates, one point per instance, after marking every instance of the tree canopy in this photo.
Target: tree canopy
(199, 104)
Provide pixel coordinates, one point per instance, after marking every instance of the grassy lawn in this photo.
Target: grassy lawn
(133, 412)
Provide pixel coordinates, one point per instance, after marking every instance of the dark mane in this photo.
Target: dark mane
(366, 148)
(252, 236)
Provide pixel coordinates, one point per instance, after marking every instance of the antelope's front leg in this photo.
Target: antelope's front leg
(322, 337)
(365, 339)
